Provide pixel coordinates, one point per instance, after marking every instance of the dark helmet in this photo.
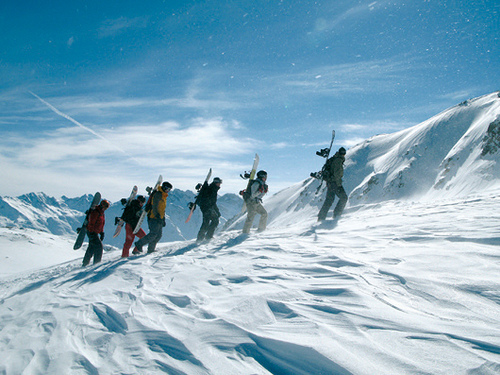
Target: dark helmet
(217, 180)
(261, 174)
(141, 198)
(342, 151)
(166, 185)
(105, 204)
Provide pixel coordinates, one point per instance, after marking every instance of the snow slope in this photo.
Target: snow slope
(23, 250)
(393, 288)
(399, 285)
(444, 153)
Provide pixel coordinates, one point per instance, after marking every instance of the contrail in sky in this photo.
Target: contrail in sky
(76, 122)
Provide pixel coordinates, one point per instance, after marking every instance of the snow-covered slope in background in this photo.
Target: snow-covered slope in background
(455, 153)
(38, 211)
(445, 153)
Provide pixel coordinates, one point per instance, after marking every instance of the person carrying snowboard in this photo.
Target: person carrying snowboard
(155, 208)
(207, 200)
(253, 201)
(332, 173)
(131, 216)
(95, 231)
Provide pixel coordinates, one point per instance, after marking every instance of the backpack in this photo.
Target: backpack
(326, 171)
(149, 204)
(202, 195)
(247, 192)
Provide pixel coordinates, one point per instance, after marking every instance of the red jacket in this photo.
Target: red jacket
(96, 220)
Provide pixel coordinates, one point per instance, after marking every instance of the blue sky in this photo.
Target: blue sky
(102, 95)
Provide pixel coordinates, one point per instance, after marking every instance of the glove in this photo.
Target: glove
(164, 222)
(78, 230)
(101, 236)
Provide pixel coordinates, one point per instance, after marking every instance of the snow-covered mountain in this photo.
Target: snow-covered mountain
(62, 216)
(41, 212)
(454, 152)
(405, 283)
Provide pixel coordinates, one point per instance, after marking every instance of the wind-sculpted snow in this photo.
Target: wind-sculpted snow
(393, 288)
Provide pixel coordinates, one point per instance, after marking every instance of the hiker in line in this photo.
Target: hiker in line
(332, 173)
(131, 216)
(207, 200)
(95, 231)
(253, 201)
(155, 208)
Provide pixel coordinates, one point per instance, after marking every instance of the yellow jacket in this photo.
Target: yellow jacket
(158, 204)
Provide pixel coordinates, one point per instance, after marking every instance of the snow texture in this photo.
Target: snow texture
(398, 285)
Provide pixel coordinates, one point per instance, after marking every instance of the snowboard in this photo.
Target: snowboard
(325, 153)
(251, 177)
(143, 212)
(193, 206)
(119, 226)
(82, 231)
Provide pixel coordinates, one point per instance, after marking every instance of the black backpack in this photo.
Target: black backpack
(326, 171)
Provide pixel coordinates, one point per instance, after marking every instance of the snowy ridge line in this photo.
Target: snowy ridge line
(443, 156)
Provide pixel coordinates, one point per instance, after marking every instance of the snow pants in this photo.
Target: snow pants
(332, 191)
(129, 239)
(253, 209)
(210, 222)
(153, 237)
(94, 249)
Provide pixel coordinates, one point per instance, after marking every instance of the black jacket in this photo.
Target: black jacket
(131, 213)
(208, 196)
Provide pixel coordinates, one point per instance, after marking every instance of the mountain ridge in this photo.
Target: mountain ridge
(61, 216)
(454, 153)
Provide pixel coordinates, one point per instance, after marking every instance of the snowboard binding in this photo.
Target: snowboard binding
(245, 175)
(324, 152)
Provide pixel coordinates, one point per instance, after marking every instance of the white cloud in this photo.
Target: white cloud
(116, 26)
(279, 145)
(72, 161)
(353, 127)
(324, 24)
(360, 77)
(458, 96)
